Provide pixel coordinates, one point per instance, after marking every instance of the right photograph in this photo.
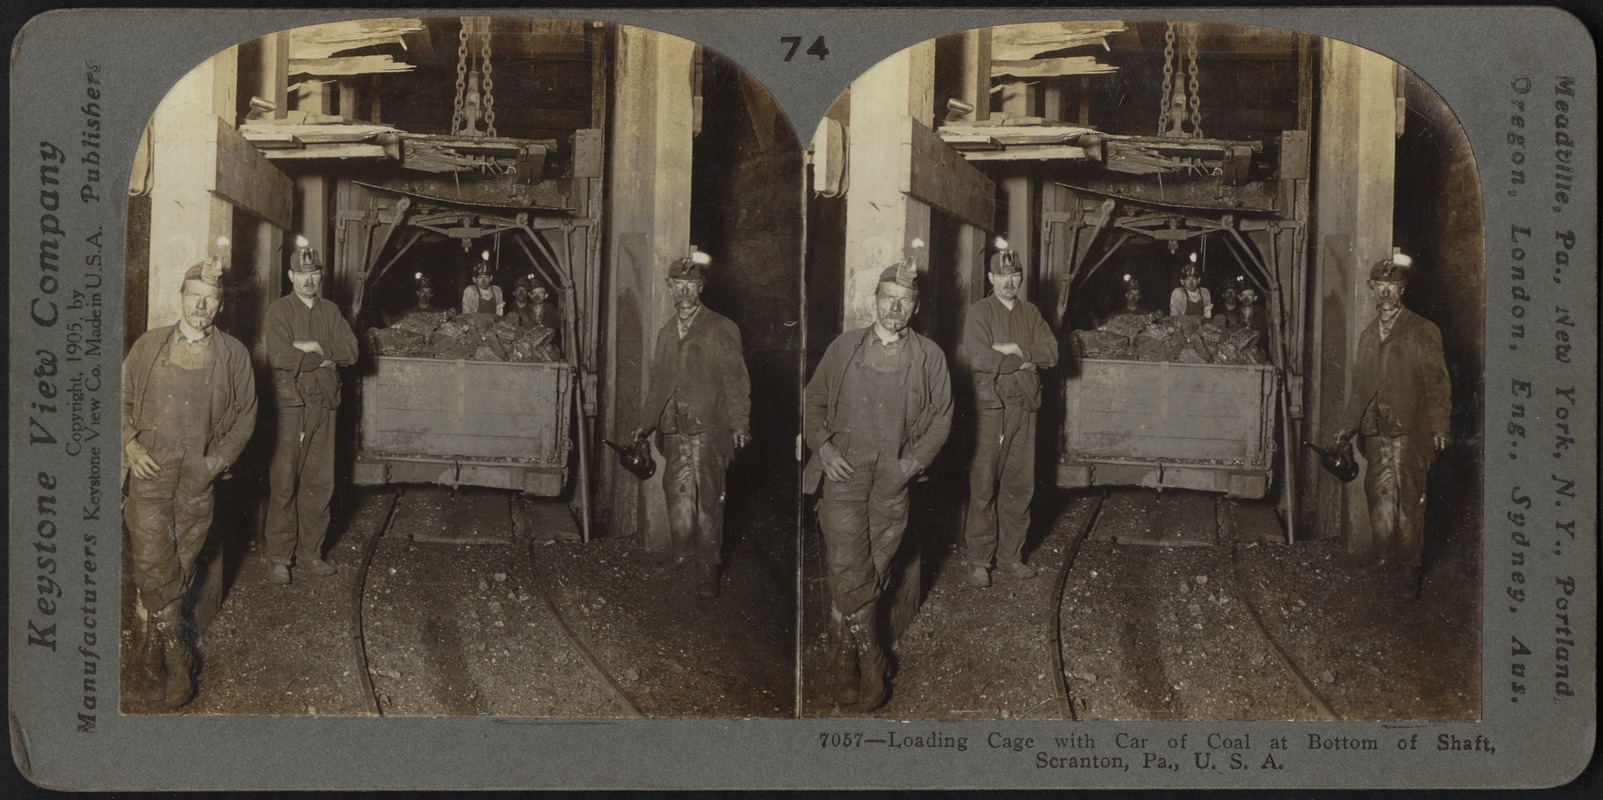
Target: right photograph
(1144, 382)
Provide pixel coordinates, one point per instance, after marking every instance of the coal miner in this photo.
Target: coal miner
(425, 298)
(307, 340)
(1132, 300)
(1007, 344)
(877, 411)
(699, 403)
(189, 407)
(482, 297)
(1190, 299)
(1400, 402)
(1249, 315)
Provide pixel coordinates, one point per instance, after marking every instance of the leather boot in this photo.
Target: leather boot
(150, 678)
(845, 661)
(177, 659)
(871, 661)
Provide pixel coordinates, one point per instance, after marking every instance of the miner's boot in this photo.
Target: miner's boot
(871, 661)
(846, 691)
(177, 659)
(150, 678)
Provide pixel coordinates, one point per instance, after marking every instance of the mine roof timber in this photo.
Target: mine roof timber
(1071, 143)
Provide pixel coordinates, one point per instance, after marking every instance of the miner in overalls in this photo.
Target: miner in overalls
(699, 403)
(189, 407)
(1007, 344)
(877, 411)
(1401, 403)
(1190, 299)
(482, 296)
(307, 340)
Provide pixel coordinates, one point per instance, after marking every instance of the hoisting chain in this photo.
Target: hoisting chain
(489, 85)
(1194, 85)
(461, 77)
(1168, 80)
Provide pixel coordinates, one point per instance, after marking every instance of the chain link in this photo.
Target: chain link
(1194, 85)
(1168, 80)
(461, 77)
(489, 84)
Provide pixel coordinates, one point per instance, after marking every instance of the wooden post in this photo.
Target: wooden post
(1018, 99)
(881, 219)
(1356, 155)
(649, 228)
(186, 217)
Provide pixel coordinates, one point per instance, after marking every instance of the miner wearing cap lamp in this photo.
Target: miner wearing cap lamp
(425, 298)
(307, 340)
(1132, 300)
(189, 407)
(876, 412)
(699, 403)
(1189, 299)
(522, 309)
(482, 297)
(1401, 401)
(1007, 344)
(1248, 314)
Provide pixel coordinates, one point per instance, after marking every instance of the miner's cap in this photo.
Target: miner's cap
(1394, 268)
(691, 268)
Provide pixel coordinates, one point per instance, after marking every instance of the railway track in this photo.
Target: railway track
(360, 654)
(1225, 520)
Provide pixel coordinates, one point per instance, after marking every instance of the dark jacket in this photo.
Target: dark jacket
(998, 381)
(233, 391)
(296, 375)
(706, 372)
(1400, 386)
(929, 401)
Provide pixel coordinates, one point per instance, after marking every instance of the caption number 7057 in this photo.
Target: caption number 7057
(817, 48)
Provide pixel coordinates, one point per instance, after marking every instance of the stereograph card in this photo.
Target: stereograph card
(930, 398)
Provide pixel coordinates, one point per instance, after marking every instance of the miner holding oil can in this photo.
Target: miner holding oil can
(699, 403)
(1400, 402)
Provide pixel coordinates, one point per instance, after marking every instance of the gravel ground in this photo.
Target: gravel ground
(1161, 632)
(463, 629)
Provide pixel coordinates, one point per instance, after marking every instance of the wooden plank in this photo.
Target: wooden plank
(313, 133)
(1051, 67)
(322, 41)
(1019, 42)
(245, 178)
(316, 151)
(941, 177)
(1061, 152)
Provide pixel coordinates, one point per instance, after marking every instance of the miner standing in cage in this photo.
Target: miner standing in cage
(876, 413)
(189, 407)
(1401, 403)
(699, 403)
(1007, 344)
(307, 341)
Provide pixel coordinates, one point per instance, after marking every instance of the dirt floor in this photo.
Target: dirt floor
(1162, 631)
(481, 601)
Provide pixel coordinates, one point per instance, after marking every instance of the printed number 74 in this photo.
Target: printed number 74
(817, 48)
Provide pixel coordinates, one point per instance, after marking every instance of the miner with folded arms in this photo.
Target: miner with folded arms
(189, 407)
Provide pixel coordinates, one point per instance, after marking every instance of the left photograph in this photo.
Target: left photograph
(461, 377)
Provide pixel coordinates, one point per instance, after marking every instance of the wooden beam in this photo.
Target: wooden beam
(1020, 42)
(349, 65)
(1060, 152)
(1051, 67)
(244, 177)
(941, 177)
(317, 151)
